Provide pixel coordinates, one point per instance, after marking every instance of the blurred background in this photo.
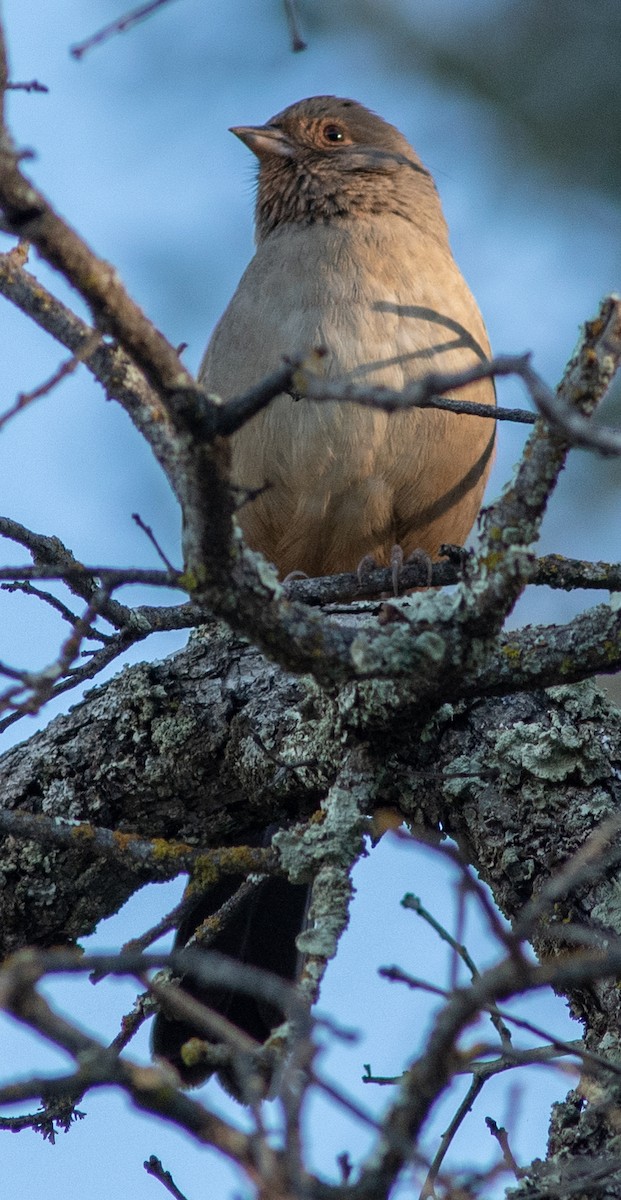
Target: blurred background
(514, 106)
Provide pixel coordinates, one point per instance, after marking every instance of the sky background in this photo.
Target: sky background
(131, 145)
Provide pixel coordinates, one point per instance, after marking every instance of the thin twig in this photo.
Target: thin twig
(76, 676)
(429, 1075)
(502, 1137)
(458, 1117)
(32, 86)
(66, 368)
(510, 1059)
(297, 41)
(460, 951)
(53, 560)
(144, 1007)
(154, 1167)
(29, 214)
(38, 685)
(28, 589)
(146, 529)
(121, 25)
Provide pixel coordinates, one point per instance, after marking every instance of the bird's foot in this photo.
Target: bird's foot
(397, 562)
(294, 575)
(419, 558)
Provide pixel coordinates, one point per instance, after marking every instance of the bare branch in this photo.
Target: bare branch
(148, 1087)
(28, 589)
(154, 542)
(121, 25)
(457, 1119)
(47, 688)
(553, 570)
(37, 686)
(65, 369)
(108, 363)
(512, 524)
(32, 86)
(154, 1167)
(502, 1138)
(412, 902)
(30, 216)
(510, 1059)
(164, 860)
(427, 1078)
(297, 41)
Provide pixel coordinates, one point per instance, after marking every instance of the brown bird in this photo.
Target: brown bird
(352, 256)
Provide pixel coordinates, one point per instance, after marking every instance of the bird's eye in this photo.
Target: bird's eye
(333, 133)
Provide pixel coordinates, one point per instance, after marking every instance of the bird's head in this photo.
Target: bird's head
(325, 158)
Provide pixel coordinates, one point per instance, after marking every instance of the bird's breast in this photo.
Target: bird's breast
(386, 304)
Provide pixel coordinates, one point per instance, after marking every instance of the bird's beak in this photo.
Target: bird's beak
(263, 140)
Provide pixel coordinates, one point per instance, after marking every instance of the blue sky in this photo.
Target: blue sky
(131, 145)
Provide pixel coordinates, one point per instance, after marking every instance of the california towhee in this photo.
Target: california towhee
(352, 256)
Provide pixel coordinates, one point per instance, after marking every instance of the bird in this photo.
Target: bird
(352, 258)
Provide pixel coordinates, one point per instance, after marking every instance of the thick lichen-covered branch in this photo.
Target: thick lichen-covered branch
(504, 562)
